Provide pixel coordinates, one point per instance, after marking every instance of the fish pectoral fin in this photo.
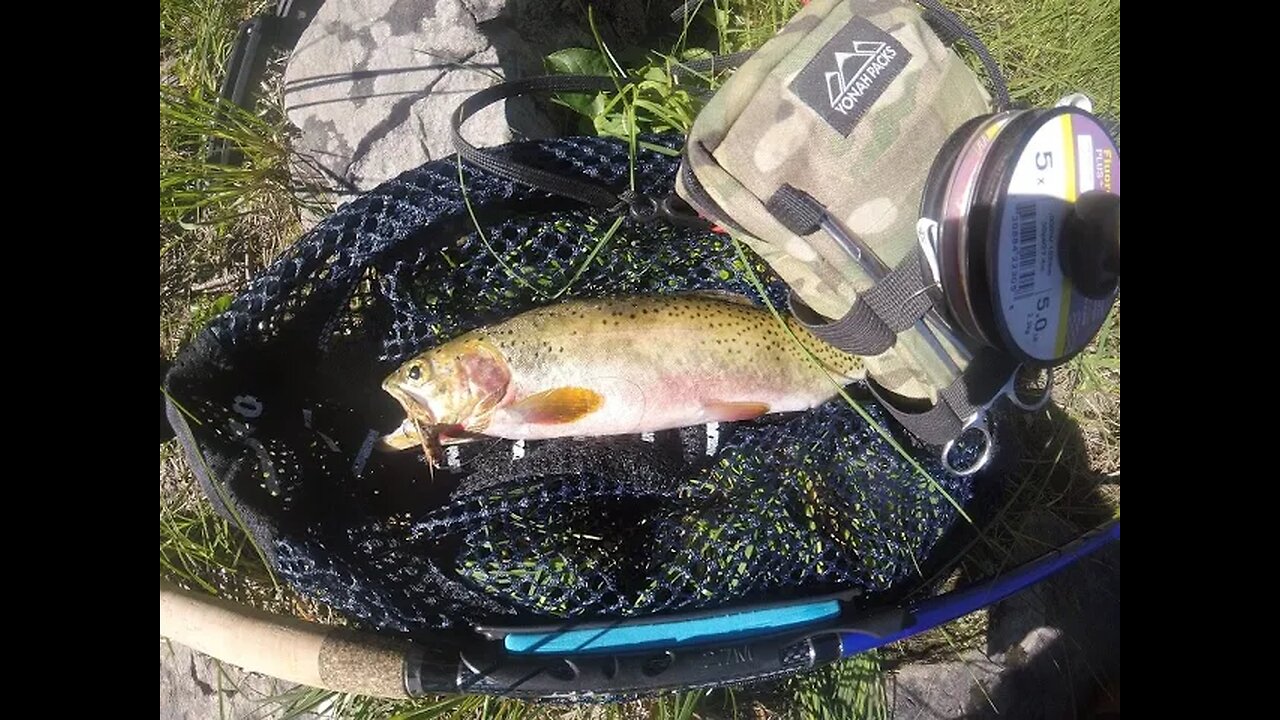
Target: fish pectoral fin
(460, 438)
(560, 405)
(734, 411)
(402, 438)
(780, 418)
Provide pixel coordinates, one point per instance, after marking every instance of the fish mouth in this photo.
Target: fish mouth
(414, 407)
(391, 389)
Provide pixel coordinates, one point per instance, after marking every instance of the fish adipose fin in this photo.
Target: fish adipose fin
(734, 411)
(561, 405)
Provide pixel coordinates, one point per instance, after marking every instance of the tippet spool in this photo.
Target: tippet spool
(1027, 207)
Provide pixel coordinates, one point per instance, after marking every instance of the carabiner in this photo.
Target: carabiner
(1011, 391)
(977, 422)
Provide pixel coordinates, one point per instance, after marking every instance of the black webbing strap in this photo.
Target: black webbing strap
(797, 210)
(896, 302)
(859, 332)
(710, 65)
(901, 298)
(985, 377)
(580, 190)
(872, 325)
(950, 28)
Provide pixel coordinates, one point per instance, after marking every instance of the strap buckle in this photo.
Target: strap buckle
(672, 209)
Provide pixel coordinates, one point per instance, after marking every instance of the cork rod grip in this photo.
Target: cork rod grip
(284, 647)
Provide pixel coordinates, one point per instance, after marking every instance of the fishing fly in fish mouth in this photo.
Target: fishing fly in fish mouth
(609, 367)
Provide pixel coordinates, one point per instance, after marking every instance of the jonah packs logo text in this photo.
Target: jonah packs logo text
(867, 61)
(850, 72)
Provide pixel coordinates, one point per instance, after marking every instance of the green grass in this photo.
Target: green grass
(1048, 48)
(196, 38)
(220, 225)
(747, 24)
(195, 191)
(853, 688)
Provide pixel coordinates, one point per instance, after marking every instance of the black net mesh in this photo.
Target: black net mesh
(284, 392)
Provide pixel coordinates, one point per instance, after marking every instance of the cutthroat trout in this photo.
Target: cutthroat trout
(612, 366)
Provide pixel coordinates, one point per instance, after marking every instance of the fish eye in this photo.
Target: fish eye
(415, 372)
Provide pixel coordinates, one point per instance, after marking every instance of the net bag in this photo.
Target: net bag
(278, 406)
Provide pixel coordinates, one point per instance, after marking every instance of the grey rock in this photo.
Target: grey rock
(1028, 681)
(372, 84)
(194, 686)
(485, 10)
(1047, 649)
(938, 691)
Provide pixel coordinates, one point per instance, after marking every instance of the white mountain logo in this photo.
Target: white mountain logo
(867, 61)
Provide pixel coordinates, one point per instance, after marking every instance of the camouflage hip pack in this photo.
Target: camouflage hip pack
(828, 152)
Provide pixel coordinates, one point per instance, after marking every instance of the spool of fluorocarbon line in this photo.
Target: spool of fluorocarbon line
(1027, 236)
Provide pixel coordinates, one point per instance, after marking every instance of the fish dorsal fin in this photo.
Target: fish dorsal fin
(559, 405)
